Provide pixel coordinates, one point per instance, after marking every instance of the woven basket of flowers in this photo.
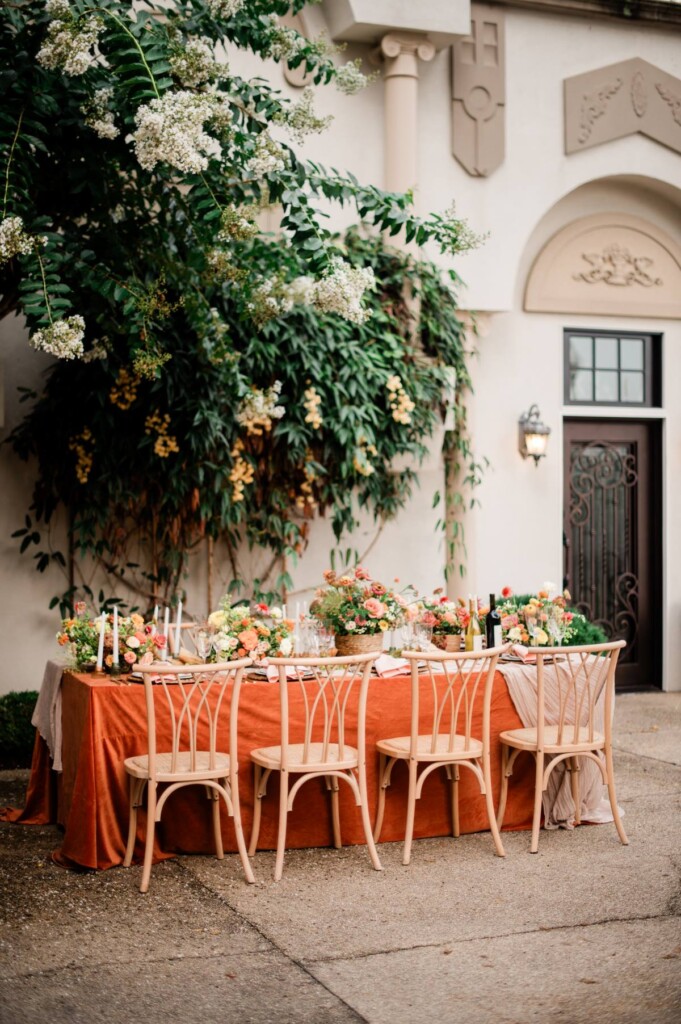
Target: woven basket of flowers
(365, 644)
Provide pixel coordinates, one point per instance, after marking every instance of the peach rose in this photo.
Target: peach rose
(248, 639)
(375, 608)
(130, 657)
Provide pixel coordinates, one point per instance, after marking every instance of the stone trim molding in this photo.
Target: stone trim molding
(479, 93)
(607, 264)
(622, 99)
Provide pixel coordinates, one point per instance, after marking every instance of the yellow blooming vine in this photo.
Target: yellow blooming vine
(124, 391)
(400, 402)
(82, 445)
(165, 443)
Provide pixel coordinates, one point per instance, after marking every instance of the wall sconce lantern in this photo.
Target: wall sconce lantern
(532, 435)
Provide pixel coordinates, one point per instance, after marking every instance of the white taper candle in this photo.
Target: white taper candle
(178, 629)
(100, 645)
(166, 632)
(115, 635)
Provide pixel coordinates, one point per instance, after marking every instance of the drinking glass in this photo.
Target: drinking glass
(322, 640)
(422, 637)
(531, 625)
(203, 642)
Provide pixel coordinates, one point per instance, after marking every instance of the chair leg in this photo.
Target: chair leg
(538, 792)
(136, 787)
(332, 783)
(217, 829)
(487, 775)
(150, 833)
(612, 794)
(366, 821)
(281, 833)
(504, 785)
(574, 770)
(454, 794)
(238, 829)
(382, 786)
(411, 812)
(257, 809)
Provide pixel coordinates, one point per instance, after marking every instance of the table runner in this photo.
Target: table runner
(47, 717)
(105, 722)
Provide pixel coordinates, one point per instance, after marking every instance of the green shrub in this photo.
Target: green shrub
(17, 735)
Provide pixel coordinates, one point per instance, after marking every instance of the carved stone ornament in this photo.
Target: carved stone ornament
(608, 264)
(619, 100)
(615, 265)
(478, 93)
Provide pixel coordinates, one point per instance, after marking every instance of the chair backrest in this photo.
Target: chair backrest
(570, 682)
(189, 709)
(326, 685)
(452, 682)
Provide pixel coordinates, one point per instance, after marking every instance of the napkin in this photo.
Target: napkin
(386, 666)
(292, 672)
(526, 654)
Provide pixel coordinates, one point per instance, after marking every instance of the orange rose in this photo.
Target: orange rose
(241, 653)
(248, 639)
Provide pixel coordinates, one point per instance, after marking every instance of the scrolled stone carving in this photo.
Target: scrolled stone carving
(595, 105)
(672, 100)
(615, 265)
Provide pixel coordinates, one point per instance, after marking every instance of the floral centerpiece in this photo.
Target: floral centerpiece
(540, 620)
(358, 610)
(138, 642)
(242, 633)
(448, 620)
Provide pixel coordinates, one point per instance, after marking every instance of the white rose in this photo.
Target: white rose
(285, 647)
(349, 626)
(132, 642)
(216, 620)
(276, 613)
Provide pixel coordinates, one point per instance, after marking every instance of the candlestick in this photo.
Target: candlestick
(115, 635)
(178, 633)
(154, 617)
(166, 630)
(100, 645)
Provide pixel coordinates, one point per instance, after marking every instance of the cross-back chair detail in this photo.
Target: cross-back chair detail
(321, 747)
(188, 702)
(442, 736)
(570, 724)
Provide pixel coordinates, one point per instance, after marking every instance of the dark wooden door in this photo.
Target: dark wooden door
(613, 538)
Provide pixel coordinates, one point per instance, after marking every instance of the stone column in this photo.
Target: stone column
(399, 53)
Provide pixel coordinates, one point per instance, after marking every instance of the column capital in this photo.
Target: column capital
(400, 52)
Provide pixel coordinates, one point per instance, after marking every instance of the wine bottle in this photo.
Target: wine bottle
(493, 624)
(473, 638)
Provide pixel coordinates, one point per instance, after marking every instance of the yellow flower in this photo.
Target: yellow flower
(383, 625)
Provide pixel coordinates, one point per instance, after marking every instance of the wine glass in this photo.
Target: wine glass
(531, 624)
(203, 642)
(422, 636)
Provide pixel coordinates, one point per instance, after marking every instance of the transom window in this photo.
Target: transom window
(609, 368)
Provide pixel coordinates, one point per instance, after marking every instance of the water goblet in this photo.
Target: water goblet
(422, 637)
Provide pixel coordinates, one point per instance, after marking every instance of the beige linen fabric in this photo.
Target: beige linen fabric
(559, 808)
(47, 713)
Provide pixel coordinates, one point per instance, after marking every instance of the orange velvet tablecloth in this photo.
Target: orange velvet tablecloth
(105, 722)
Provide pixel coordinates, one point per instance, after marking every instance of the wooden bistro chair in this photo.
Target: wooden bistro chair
(447, 741)
(191, 699)
(570, 725)
(318, 746)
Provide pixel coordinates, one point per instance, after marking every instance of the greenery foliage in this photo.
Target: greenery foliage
(17, 735)
(161, 424)
(581, 630)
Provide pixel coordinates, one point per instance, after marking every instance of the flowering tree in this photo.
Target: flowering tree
(133, 169)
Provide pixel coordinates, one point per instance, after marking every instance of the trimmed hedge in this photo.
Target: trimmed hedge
(17, 735)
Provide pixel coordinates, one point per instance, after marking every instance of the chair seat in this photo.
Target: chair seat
(445, 750)
(139, 767)
(526, 739)
(270, 757)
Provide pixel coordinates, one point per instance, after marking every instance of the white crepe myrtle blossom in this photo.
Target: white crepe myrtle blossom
(170, 130)
(194, 63)
(341, 290)
(14, 240)
(98, 116)
(70, 41)
(225, 8)
(63, 338)
(350, 80)
(300, 291)
(237, 223)
(259, 408)
(269, 157)
(301, 120)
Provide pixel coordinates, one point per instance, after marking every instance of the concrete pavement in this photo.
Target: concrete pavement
(586, 930)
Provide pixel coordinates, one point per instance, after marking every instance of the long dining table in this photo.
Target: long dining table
(104, 721)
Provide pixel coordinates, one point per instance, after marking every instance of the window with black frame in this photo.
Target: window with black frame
(611, 368)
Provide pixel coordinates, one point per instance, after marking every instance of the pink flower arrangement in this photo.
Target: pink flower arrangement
(354, 604)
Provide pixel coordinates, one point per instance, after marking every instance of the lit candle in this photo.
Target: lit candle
(100, 645)
(178, 633)
(115, 635)
(154, 617)
(166, 630)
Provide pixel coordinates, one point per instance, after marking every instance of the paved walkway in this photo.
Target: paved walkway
(587, 930)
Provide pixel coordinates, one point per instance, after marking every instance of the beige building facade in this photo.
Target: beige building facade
(556, 127)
